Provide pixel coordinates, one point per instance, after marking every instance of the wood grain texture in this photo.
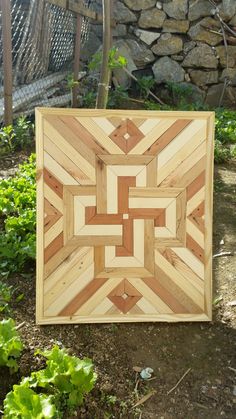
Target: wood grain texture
(124, 214)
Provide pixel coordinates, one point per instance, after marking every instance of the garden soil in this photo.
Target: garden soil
(207, 349)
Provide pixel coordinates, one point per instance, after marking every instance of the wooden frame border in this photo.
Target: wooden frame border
(207, 316)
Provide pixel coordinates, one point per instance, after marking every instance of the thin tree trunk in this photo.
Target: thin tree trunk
(103, 86)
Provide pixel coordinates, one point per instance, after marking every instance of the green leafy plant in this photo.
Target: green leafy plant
(115, 60)
(16, 137)
(6, 292)
(17, 209)
(117, 97)
(226, 126)
(10, 345)
(24, 403)
(145, 84)
(66, 374)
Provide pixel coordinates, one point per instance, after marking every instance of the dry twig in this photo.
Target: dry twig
(217, 255)
(181, 379)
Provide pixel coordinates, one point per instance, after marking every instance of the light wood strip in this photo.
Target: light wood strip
(190, 260)
(100, 230)
(149, 245)
(184, 174)
(53, 247)
(97, 240)
(79, 215)
(100, 135)
(181, 217)
(53, 183)
(146, 307)
(149, 202)
(54, 231)
(122, 160)
(196, 200)
(106, 125)
(69, 173)
(193, 130)
(170, 285)
(103, 307)
(68, 215)
(121, 170)
(139, 240)
(53, 198)
(84, 135)
(151, 173)
(112, 198)
(183, 268)
(179, 280)
(171, 214)
(141, 178)
(81, 190)
(168, 136)
(69, 151)
(154, 192)
(196, 234)
(67, 131)
(166, 296)
(62, 174)
(182, 154)
(209, 214)
(124, 273)
(63, 300)
(39, 215)
(57, 285)
(148, 125)
(161, 232)
(152, 136)
(101, 179)
(151, 296)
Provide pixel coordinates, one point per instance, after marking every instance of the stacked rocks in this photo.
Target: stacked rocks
(181, 41)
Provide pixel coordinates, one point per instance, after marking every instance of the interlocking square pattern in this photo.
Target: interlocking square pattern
(124, 216)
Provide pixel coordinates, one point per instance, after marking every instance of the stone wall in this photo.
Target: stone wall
(180, 41)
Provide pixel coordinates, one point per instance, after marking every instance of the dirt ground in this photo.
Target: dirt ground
(209, 388)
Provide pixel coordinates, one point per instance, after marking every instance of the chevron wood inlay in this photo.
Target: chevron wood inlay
(124, 215)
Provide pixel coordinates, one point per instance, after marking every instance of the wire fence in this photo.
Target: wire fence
(43, 41)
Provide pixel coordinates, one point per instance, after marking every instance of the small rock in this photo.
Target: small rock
(227, 9)
(140, 4)
(175, 26)
(199, 8)
(176, 9)
(202, 78)
(159, 5)
(147, 36)
(166, 69)
(122, 14)
(188, 46)
(178, 58)
(199, 33)
(153, 18)
(140, 54)
(122, 77)
(220, 50)
(168, 45)
(201, 56)
(234, 390)
(230, 74)
(120, 30)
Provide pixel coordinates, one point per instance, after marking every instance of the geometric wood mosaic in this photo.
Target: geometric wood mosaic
(124, 215)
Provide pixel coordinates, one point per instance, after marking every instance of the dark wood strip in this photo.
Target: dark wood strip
(83, 296)
(196, 185)
(53, 247)
(168, 136)
(53, 183)
(194, 247)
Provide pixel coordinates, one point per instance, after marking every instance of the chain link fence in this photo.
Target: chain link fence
(43, 40)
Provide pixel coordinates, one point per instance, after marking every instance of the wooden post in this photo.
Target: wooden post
(103, 86)
(76, 60)
(7, 60)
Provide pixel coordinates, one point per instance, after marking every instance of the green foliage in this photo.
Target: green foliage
(10, 345)
(61, 385)
(22, 402)
(226, 126)
(117, 97)
(114, 61)
(16, 137)
(5, 297)
(69, 375)
(89, 100)
(223, 153)
(145, 84)
(17, 208)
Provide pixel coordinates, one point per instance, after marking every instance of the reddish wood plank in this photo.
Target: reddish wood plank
(196, 185)
(53, 247)
(124, 182)
(192, 245)
(53, 183)
(83, 296)
(168, 136)
(127, 249)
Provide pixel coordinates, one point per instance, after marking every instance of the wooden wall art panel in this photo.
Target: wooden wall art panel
(124, 212)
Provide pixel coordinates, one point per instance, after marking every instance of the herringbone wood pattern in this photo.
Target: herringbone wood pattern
(124, 215)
